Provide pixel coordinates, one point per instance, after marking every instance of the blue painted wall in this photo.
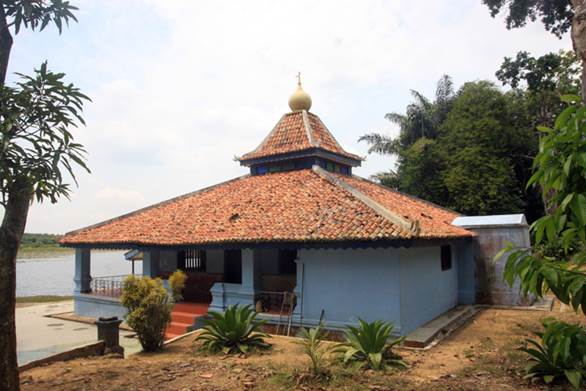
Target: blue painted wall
(426, 290)
(348, 284)
(405, 286)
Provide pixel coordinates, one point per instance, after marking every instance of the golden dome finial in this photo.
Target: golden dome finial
(300, 100)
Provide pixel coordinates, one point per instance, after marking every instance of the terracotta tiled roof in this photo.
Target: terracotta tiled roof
(298, 131)
(296, 206)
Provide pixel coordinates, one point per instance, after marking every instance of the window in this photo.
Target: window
(446, 257)
(192, 260)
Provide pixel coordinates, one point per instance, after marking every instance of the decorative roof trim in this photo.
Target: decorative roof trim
(308, 129)
(412, 227)
(308, 152)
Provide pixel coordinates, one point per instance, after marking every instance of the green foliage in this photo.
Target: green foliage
(556, 264)
(313, 344)
(368, 345)
(177, 283)
(544, 80)
(37, 14)
(469, 151)
(560, 170)
(39, 240)
(233, 331)
(556, 15)
(560, 353)
(149, 310)
(36, 147)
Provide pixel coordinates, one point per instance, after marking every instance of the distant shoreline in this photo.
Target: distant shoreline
(33, 252)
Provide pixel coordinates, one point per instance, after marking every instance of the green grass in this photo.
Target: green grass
(41, 299)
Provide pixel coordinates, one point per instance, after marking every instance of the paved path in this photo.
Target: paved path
(39, 336)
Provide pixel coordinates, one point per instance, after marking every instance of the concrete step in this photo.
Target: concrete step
(183, 317)
(194, 308)
(440, 327)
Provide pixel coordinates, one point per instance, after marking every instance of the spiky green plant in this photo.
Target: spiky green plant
(313, 344)
(560, 353)
(233, 331)
(368, 345)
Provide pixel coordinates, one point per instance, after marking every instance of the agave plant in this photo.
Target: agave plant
(233, 331)
(312, 341)
(368, 345)
(561, 353)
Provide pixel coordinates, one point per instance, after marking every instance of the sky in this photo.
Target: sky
(180, 88)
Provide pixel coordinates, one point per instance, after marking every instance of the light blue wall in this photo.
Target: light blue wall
(348, 284)
(426, 290)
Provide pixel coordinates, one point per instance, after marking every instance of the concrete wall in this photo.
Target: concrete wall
(426, 290)
(491, 287)
(96, 306)
(348, 284)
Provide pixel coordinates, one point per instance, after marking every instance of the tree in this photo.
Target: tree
(543, 80)
(484, 143)
(556, 261)
(558, 16)
(37, 151)
(418, 163)
(473, 152)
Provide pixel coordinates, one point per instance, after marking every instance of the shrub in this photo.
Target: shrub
(233, 331)
(149, 310)
(560, 353)
(177, 283)
(368, 345)
(312, 341)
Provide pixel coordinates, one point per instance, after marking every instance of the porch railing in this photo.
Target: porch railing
(110, 286)
(276, 302)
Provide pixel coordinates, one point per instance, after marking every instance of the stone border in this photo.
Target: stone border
(87, 350)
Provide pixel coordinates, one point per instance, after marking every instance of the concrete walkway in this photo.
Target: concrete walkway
(39, 336)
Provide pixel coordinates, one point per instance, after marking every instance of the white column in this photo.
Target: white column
(150, 263)
(82, 270)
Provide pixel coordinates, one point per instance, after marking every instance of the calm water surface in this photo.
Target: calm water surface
(54, 275)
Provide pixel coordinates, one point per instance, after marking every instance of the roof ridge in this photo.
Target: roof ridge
(155, 205)
(412, 227)
(411, 196)
(308, 129)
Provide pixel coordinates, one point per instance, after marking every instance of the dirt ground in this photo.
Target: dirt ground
(481, 355)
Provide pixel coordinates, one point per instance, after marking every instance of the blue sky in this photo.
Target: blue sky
(180, 88)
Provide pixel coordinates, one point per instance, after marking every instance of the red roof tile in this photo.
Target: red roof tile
(298, 131)
(295, 206)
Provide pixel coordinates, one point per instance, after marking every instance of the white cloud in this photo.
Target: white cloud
(181, 87)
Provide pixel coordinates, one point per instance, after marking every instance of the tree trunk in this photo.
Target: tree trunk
(5, 45)
(11, 233)
(579, 37)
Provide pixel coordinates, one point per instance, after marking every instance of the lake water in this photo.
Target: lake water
(54, 275)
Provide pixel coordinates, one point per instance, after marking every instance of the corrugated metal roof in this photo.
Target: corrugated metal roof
(490, 221)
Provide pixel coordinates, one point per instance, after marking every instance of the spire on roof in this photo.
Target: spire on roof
(300, 100)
